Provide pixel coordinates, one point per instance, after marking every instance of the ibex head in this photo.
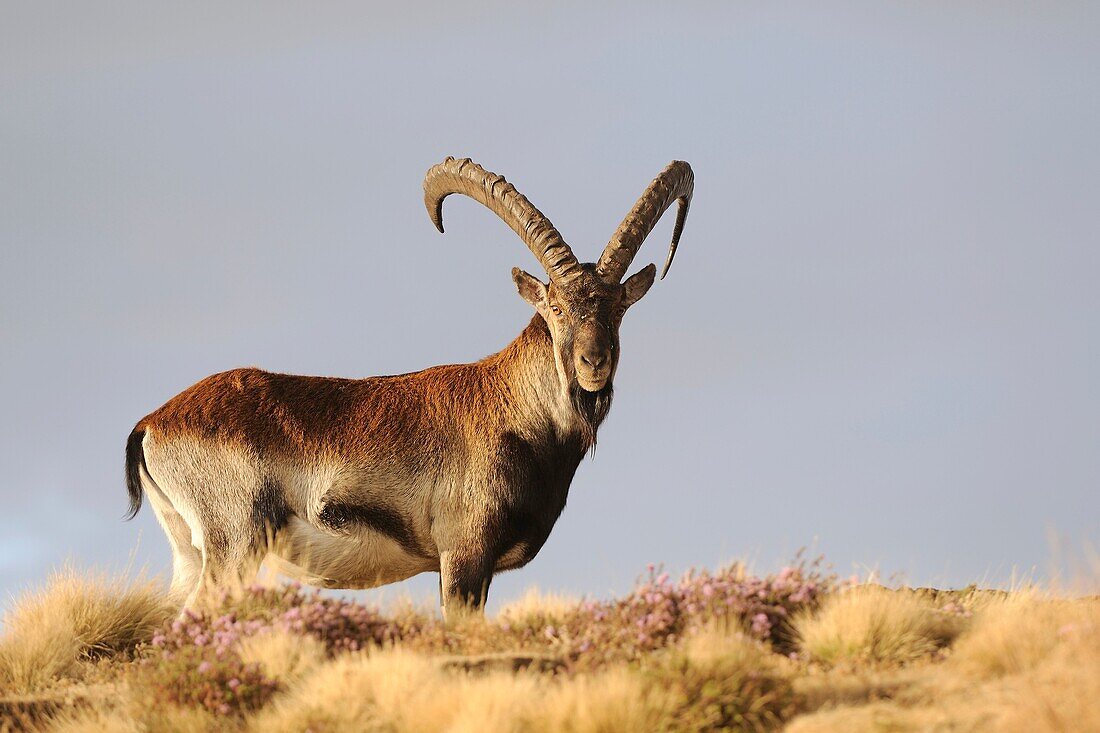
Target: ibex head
(583, 304)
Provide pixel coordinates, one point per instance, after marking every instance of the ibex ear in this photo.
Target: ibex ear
(530, 287)
(638, 284)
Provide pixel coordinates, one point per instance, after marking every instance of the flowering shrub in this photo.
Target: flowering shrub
(654, 615)
(659, 611)
(195, 660)
(588, 635)
(765, 604)
(222, 684)
(216, 634)
(648, 618)
(342, 625)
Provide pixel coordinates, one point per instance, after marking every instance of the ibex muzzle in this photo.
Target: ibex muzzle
(592, 352)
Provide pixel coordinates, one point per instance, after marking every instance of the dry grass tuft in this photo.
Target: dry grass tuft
(718, 680)
(536, 607)
(137, 716)
(615, 700)
(36, 659)
(1015, 633)
(1028, 663)
(414, 693)
(282, 655)
(345, 694)
(97, 720)
(74, 617)
(885, 715)
(876, 624)
(1062, 693)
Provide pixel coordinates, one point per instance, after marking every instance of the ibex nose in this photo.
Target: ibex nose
(594, 359)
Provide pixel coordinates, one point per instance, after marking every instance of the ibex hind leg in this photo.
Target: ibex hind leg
(219, 494)
(228, 565)
(235, 540)
(186, 558)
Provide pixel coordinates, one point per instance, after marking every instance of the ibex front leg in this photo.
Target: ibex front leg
(464, 577)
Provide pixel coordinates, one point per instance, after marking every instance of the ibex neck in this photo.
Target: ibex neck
(536, 397)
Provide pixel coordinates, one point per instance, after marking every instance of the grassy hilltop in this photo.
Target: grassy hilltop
(797, 650)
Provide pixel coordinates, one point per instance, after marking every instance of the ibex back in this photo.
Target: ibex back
(460, 469)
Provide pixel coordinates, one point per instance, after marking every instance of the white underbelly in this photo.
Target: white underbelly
(361, 558)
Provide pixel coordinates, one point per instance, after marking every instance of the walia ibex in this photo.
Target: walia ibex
(461, 469)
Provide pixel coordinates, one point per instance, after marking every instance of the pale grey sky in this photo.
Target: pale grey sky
(880, 336)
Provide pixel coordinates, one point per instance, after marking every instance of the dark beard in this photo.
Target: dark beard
(591, 408)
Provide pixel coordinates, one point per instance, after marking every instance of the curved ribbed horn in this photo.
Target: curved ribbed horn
(675, 183)
(467, 177)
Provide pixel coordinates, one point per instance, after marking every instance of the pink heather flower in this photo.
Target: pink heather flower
(159, 639)
(233, 683)
(224, 709)
(760, 623)
(205, 667)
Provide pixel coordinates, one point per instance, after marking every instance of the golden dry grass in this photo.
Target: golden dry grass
(411, 692)
(1062, 691)
(720, 678)
(76, 616)
(876, 624)
(283, 655)
(135, 717)
(536, 606)
(711, 680)
(871, 659)
(1016, 633)
(1027, 661)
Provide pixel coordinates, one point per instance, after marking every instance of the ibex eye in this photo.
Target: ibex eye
(556, 310)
